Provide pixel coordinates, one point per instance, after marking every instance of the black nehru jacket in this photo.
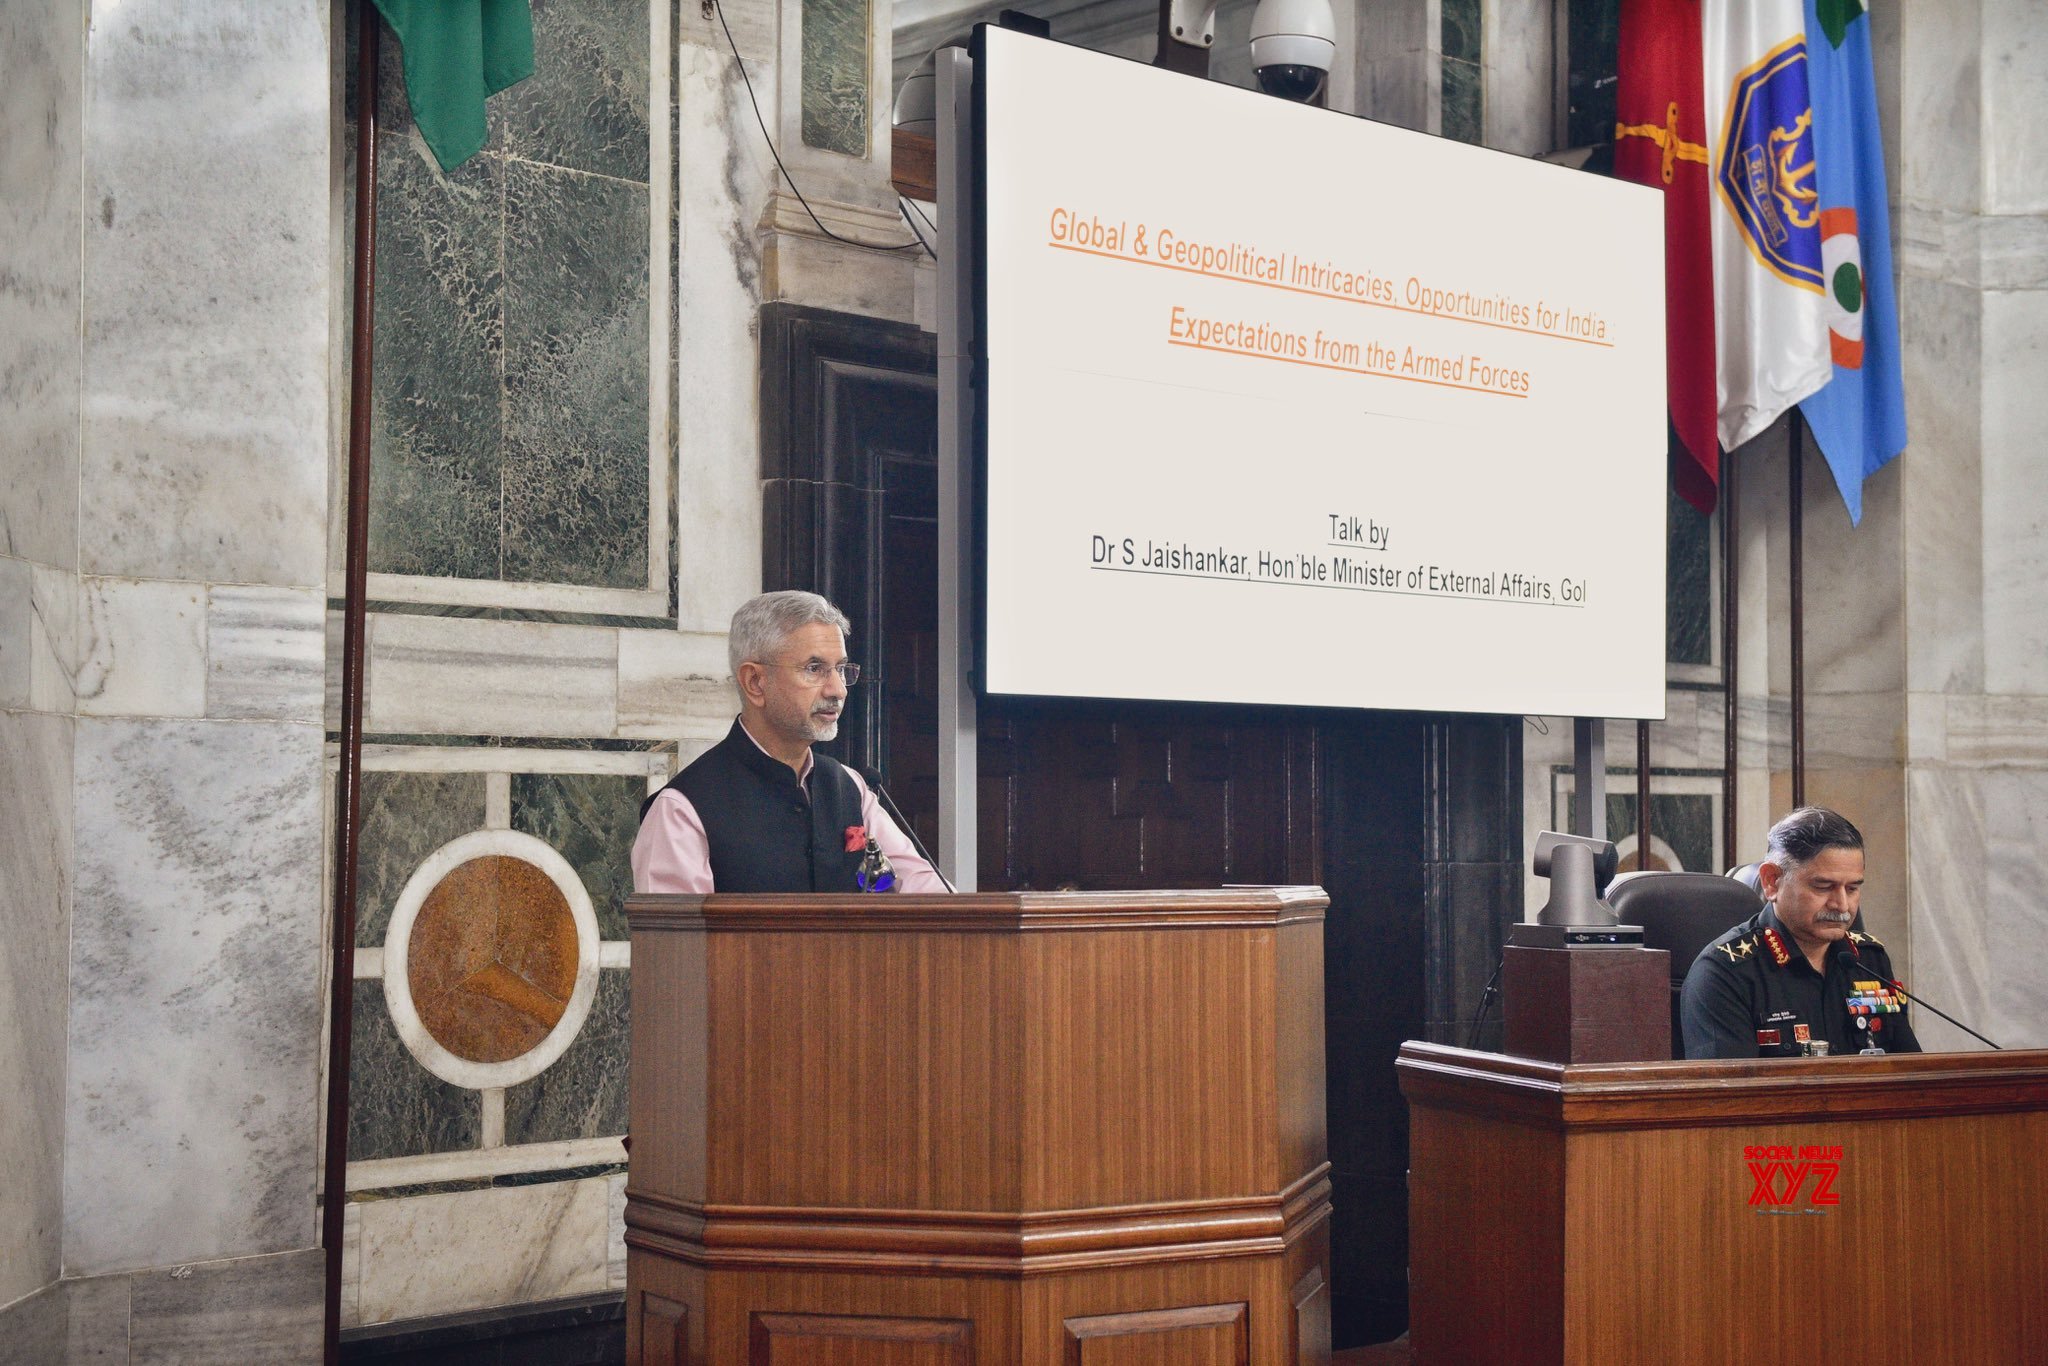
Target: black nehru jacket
(765, 833)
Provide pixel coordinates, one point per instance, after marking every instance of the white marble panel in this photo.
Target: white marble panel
(17, 631)
(2015, 908)
(674, 685)
(468, 676)
(1941, 106)
(75, 1322)
(1927, 722)
(1996, 732)
(2015, 107)
(799, 266)
(41, 99)
(192, 1100)
(1952, 953)
(1400, 63)
(141, 648)
(1853, 730)
(252, 1309)
(54, 636)
(723, 185)
(1942, 491)
(1959, 246)
(1518, 72)
(35, 945)
(438, 1254)
(204, 439)
(351, 1263)
(615, 1232)
(266, 653)
(1855, 584)
(2015, 536)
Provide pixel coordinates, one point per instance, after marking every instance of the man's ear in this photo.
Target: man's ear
(751, 678)
(1768, 878)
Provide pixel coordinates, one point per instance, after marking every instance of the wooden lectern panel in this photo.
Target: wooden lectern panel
(1052, 1118)
(1198, 1335)
(1828, 1209)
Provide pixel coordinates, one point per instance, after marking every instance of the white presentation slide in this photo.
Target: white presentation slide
(1284, 406)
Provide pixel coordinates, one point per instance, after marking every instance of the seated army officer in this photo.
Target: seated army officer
(759, 812)
(1795, 974)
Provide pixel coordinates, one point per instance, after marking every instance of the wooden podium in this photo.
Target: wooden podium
(1021, 1128)
(1843, 1209)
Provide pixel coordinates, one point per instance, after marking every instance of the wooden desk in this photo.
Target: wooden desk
(1058, 1128)
(1604, 1213)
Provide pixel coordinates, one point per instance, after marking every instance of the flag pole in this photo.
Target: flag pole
(347, 786)
(1730, 619)
(1642, 796)
(1798, 559)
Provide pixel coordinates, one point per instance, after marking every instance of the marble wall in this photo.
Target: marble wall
(194, 646)
(1972, 228)
(41, 105)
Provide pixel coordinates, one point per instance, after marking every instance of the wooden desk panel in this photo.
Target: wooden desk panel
(1605, 1213)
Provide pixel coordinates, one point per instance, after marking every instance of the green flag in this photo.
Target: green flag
(458, 53)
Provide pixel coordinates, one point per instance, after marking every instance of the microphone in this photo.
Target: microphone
(874, 782)
(1848, 948)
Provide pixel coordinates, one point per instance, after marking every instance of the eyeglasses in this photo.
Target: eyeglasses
(814, 671)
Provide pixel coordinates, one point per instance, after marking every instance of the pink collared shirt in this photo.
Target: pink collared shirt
(672, 853)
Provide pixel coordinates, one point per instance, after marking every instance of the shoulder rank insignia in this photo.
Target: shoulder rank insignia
(1775, 942)
(1738, 949)
(1869, 939)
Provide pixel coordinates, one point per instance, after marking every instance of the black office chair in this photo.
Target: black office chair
(1681, 913)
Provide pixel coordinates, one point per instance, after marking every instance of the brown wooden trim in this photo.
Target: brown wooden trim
(991, 912)
(1660, 1095)
(914, 165)
(972, 1241)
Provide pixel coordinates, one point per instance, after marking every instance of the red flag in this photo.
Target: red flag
(1660, 140)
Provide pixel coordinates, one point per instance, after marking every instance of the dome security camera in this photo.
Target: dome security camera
(1293, 44)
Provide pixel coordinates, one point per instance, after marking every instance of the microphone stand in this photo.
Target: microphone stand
(1900, 987)
(874, 783)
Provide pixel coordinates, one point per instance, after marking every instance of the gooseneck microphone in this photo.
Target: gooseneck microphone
(874, 782)
(1848, 947)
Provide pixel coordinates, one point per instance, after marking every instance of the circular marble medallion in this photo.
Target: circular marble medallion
(490, 964)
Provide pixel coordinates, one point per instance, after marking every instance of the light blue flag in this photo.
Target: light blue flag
(1859, 415)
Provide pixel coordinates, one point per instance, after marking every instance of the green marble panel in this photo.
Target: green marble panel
(1685, 821)
(397, 1108)
(576, 369)
(584, 1094)
(1459, 28)
(1462, 107)
(404, 818)
(590, 819)
(835, 75)
(437, 444)
(1689, 586)
(585, 106)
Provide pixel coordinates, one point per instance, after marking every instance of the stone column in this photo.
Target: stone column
(1972, 227)
(42, 63)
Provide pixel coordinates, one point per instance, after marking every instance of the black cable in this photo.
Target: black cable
(1486, 1000)
(912, 225)
(922, 214)
(787, 178)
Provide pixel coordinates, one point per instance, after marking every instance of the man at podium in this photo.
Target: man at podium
(1795, 979)
(759, 811)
